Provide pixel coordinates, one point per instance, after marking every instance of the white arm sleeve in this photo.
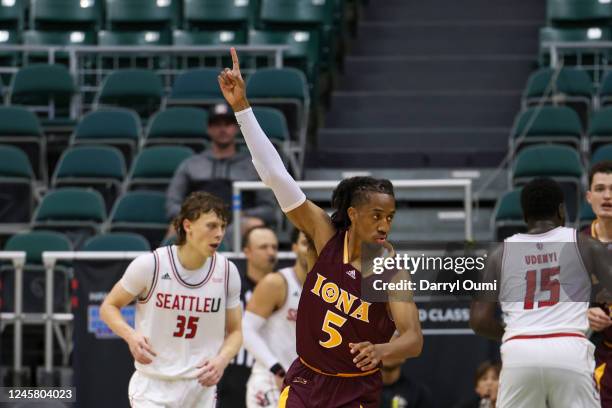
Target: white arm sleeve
(233, 288)
(254, 343)
(138, 276)
(268, 163)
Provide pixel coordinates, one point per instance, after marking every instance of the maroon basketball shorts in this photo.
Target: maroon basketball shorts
(603, 373)
(306, 388)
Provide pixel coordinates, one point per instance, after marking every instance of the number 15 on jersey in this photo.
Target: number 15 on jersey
(548, 281)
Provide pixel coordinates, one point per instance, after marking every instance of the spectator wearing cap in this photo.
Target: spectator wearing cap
(215, 169)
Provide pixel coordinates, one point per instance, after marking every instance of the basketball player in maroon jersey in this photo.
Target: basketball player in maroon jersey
(341, 338)
(599, 196)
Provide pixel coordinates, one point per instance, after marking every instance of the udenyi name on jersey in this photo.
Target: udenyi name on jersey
(187, 303)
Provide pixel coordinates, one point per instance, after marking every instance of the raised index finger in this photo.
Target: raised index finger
(235, 59)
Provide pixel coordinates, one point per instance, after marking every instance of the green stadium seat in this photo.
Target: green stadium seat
(66, 15)
(137, 89)
(221, 37)
(142, 14)
(547, 124)
(605, 90)
(303, 52)
(10, 37)
(154, 167)
(296, 13)
(600, 128)
(142, 212)
(47, 88)
(273, 123)
(16, 184)
(226, 38)
(559, 162)
(285, 89)
(20, 127)
(12, 14)
(99, 167)
(9, 58)
(304, 15)
(34, 37)
(34, 244)
(586, 215)
(132, 38)
(508, 216)
(117, 241)
(115, 127)
(196, 87)
(573, 88)
(601, 154)
(219, 14)
(76, 212)
(180, 125)
(572, 82)
(578, 12)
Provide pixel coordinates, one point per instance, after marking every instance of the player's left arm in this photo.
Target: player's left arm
(408, 344)
(482, 311)
(211, 370)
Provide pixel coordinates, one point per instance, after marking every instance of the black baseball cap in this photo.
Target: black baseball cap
(221, 113)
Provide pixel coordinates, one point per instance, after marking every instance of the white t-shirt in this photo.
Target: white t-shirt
(180, 311)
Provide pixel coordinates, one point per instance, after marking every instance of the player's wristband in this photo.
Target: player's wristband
(277, 369)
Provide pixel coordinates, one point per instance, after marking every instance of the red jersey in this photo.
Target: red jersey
(331, 313)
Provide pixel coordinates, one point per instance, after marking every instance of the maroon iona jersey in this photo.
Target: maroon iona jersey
(331, 313)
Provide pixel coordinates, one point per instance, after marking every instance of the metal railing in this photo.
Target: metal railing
(90, 64)
(50, 318)
(592, 56)
(16, 318)
(465, 184)
(50, 258)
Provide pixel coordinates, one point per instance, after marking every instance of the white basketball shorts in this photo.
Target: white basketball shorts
(148, 392)
(555, 372)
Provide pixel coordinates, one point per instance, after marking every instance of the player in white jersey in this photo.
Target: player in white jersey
(544, 290)
(188, 314)
(269, 325)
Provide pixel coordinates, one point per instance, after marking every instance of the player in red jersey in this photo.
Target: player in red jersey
(599, 196)
(341, 338)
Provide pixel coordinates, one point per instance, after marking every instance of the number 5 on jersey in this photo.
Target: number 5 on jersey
(335, 338)
(191, 325)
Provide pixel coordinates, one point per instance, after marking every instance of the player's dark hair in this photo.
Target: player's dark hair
(541, 198)
(352, 192)
(196, 204)
(295, 237)
(247, 235)
(601, 167)
(484, 368)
